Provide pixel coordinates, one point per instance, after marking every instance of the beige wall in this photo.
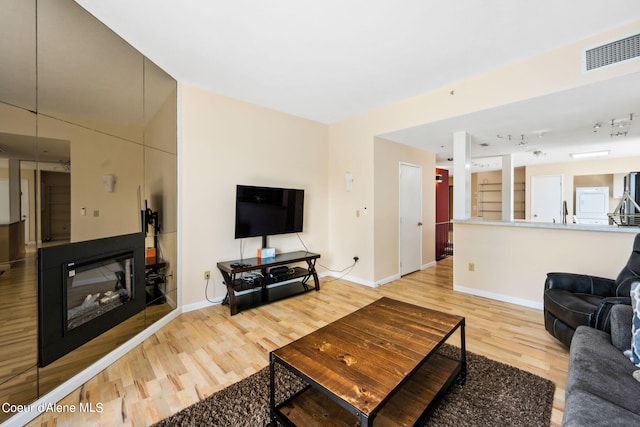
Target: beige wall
(351, 142)
(226, 142)
(387, 158)
(511, 262)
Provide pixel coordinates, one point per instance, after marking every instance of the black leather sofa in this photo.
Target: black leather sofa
(571, 300)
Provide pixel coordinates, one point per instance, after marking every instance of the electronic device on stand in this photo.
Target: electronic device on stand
(149, 217)
(155, 268)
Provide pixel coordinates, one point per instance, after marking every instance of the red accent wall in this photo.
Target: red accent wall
(442, 196)
(442, 213)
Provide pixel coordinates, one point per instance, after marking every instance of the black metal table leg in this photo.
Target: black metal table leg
(272, 392)
(463, 356)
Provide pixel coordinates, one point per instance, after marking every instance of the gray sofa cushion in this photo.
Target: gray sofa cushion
(597, 367)
(621, 316)
(584, 409)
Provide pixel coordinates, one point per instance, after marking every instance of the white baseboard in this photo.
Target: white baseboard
(398, 275)
(377, 282)
(75, 382)
(349, 278)
(388, 279)
(429, 265)
(499, 297)
(201, 304)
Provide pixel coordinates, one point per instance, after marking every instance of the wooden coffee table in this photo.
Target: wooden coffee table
(378, 363)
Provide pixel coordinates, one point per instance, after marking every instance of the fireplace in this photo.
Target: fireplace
(85, 289)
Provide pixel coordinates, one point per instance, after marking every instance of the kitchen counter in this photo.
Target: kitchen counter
(547, 225)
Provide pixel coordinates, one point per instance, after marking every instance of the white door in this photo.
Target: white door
(5, 213)
(410, 218)
(24, 207)
(546, 198)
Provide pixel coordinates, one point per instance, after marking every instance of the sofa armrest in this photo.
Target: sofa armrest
(581, 283)
(623, 286)
(602, 317)
(621, 320)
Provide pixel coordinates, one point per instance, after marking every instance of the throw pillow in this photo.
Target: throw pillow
(635, 328)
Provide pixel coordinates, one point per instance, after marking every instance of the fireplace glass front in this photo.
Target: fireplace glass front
(98, 287)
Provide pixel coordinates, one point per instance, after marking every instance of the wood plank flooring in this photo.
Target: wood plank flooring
(203, 351)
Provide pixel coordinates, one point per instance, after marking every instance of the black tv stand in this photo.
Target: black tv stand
(260, 286)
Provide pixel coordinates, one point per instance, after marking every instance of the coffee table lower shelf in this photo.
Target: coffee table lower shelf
(410, 405)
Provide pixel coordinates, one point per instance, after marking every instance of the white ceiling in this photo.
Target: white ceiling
(333, 59)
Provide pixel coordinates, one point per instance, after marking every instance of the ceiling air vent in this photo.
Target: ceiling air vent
(612, 53)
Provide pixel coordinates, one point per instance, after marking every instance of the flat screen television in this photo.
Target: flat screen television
(267, 211)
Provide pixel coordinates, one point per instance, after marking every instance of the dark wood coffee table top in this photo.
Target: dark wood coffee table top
(365, 356)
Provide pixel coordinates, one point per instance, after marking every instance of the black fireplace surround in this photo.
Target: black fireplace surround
(85, 289)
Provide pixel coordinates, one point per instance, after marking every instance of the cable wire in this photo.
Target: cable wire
(345, 270)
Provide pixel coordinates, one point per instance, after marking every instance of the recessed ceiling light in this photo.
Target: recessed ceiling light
(590, 154)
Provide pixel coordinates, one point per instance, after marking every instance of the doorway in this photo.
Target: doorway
(55, 221)
(546, 198)
(410, 218)
(444, 242)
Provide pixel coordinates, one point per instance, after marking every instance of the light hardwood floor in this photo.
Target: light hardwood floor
(203, 351)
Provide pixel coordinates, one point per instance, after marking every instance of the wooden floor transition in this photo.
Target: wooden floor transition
(203, 351)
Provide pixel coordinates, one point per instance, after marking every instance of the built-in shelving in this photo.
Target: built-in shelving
(490, 200)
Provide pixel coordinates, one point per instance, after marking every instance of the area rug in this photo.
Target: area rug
(495, 394)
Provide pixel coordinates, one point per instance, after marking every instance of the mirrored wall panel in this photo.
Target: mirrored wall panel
(86, 73)
(18, 271)
(18, 53)
(87, 151)
(103, 186)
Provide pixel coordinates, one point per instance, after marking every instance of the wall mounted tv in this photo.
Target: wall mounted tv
(267, 211)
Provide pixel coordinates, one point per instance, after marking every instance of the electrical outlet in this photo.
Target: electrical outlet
(472, 267)
(207, 275)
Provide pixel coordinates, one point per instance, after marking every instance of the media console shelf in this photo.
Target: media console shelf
(254, 281)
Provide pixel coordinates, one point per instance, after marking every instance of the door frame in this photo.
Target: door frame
(421, 191)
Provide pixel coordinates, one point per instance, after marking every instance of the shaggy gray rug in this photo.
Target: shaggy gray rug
(495, 394)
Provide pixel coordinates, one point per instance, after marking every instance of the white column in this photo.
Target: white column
(461, 175)
(507, 187)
